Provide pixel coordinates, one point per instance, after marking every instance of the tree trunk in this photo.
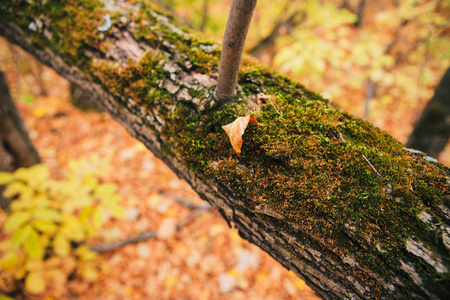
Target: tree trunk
(340, 203)
(16, 149)
(432, 131)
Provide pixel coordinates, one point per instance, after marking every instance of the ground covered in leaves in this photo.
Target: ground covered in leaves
(203, 260)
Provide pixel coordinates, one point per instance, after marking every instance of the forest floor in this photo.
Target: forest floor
(203, 260)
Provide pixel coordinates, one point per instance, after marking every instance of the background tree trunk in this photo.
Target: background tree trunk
(432, 130)
(329, 196)
(16, 148)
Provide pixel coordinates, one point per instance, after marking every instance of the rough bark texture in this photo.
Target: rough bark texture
(16, 149)
(80, 99)
(328, 196)
(432, 131)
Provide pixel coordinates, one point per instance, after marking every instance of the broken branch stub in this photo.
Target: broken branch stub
(239, 19)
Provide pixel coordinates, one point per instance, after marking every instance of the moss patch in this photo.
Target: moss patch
(307, 160)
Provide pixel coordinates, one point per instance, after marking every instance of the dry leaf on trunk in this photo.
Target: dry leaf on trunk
(236, 129)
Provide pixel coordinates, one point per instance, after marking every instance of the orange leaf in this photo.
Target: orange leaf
(236, 129)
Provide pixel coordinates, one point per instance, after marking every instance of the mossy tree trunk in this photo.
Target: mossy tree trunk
(337, 201)
(432, 130)
(16, 148)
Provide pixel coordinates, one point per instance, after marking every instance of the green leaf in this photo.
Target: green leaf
(16, 220)
(21, 235)
(61, 245)
(3, 297)
(44, 226)
(32, 245)
(47, 214)
(35, 282)
(6, 178)
(28, 99)
(97, 217)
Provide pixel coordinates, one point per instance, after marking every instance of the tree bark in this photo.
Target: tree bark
(16, 148)
(327, 195)
(432, 131)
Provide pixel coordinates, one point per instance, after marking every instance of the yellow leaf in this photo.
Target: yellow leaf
(47, 214)
(34, 264)
(35, 282)
(104, 190)
(72, 228)
(236, 129)
(9, 261)
(89, 272)
(39, 112)
(36, 176)
(53, 262)
(85, 253)
(6, 177)
(97, 217)
(44, 226)
(117, 211)
(61, 245)
(3, 297)
(32, 245)
(16, 220)
(21, 235)
(170, 281)
(15, 188)
(111, 200)
(300, 284)
(5, 245)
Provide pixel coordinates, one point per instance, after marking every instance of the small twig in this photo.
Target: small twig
(241, 12)
(144, 236)
(105, 247)
(373, 168)
(186, 202)
(274, 106)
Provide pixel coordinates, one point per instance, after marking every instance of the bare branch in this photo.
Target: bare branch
(241, 12)
(144, 236)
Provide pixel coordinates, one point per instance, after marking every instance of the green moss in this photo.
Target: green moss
(306, 159)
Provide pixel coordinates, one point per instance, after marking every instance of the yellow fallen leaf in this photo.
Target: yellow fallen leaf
(39, 112)
(236, 129)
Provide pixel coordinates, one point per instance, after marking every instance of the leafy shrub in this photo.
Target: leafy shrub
(43, 239)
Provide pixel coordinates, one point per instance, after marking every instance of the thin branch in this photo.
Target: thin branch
(373, 168)
(270, 39)
(241, 12)
(370, 93)
(204, 15)
(360, 14)
(186, 202)
(396, 38)
(144, 236)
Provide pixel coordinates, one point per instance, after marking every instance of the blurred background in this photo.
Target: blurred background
(379, 60)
